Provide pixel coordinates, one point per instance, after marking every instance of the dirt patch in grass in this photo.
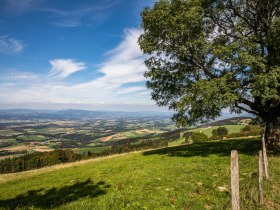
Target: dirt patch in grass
(107, 138)
(17, 148)
(28, 148)
(42, 149)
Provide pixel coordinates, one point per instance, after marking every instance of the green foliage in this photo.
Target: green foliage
(39, 160)
(256, 121)
(214, 132)
(7, 142)
(204, 56)
(222, 131)
(247, 128)
(197, 137)
(187, 134)
(32, 138)
(251, 128)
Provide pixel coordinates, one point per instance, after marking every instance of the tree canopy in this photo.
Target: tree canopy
(222, 131)
(207, 55)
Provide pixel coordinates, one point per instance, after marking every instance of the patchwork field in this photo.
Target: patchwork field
(130, 134)
(18, 137)
(193, 176)
(32, 138)
(8, 132)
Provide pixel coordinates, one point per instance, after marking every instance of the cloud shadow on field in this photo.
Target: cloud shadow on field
(204, 149)
(54, 197)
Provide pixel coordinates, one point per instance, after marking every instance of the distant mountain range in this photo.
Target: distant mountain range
(27, 114)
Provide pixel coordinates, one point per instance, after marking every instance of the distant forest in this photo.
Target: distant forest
(42, 159)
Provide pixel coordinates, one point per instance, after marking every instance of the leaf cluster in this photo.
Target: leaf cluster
(204, 56)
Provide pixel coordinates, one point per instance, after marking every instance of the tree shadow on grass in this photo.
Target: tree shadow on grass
(204, 149)
(54, 197)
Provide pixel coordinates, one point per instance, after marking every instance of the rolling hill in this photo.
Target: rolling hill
(195, 176)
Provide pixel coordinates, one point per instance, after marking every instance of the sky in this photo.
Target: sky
(58, 54)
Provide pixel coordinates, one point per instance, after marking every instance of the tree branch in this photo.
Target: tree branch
(246, 110)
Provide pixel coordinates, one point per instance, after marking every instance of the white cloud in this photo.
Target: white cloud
(10, 45)
(90, 13)
(19, 75)
(124, 65)
(14, 7)
(67, 23)
(132, 90)
(62, 68)
(73, 16)
(6, 84)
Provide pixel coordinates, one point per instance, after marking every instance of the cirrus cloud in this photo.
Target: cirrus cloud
(62, 68)
(10, 45)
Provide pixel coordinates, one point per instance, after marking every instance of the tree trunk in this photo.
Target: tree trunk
(272, 134)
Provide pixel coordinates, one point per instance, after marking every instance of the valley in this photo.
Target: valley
(27, 133)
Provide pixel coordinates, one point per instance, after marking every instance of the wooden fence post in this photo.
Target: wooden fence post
(260, 177)
(234, 181)
(265, 158)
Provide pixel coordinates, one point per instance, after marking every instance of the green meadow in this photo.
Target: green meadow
(208, 131)
(32, 138)
(195, 176)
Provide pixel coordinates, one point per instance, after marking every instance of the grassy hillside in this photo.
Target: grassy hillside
(193, 176)
(208, 131)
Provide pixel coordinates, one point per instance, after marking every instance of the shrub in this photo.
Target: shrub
(222, 131)
(214, 132)
(255, 132)
(187, 135)
(248, 128)
(197, 137)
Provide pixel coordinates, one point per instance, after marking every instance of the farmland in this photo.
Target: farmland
(26, 134)
(180, 175)
(85, 131)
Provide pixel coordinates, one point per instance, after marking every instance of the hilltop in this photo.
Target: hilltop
(193, 176)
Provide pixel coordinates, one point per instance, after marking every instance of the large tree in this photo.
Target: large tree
(207, 55)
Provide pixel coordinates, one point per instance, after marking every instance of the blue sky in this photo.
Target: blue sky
(72, 54)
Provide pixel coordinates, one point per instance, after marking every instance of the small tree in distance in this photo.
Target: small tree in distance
(222, 131)
(197, 137)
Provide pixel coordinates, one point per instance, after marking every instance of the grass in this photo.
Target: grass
(53, 130)
(93, 149)
(177, 142)
(9, 141)
(193, 176)
(8, 132)
(32, 138)
(208, 131)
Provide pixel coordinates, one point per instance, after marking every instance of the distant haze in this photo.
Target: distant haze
(132, 108)
(85, 106)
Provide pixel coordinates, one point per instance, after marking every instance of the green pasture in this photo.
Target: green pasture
(8, 132)
(32, 138)
(9, 142)
(195, 176)
(93, 149)
(208, 131)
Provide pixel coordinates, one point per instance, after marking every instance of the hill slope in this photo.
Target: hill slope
(185, 177)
